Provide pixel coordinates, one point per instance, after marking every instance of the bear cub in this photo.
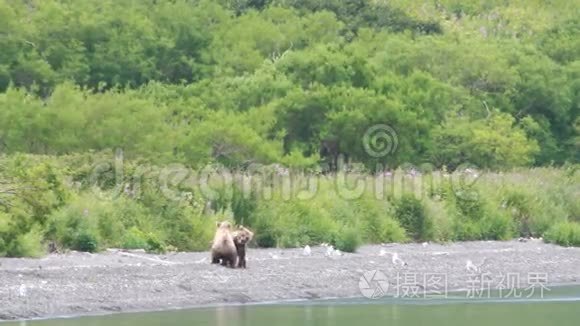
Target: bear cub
(241, 237)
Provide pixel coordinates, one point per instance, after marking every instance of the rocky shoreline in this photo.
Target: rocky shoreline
(76, 284)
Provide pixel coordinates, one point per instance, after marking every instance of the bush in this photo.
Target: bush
(27, 245)
(440, 218)
(374, 220)
(465, 230)
(186, 228)
(307, 223)
(564, 234)
(20, 237)
(410, 213)
(57, 208)
(134, 239)
(347, 240)
(520, 206)
(266, 225)
(532, 210)
(77, 226)
(469, 202)
(85, 241)
(88, 223)
(154, 244)
(265, 239)
(242, 204)
(496, 226)
(293, 222)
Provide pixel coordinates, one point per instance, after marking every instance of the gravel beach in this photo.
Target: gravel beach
(75, 283)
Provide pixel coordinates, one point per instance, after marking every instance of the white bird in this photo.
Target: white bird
(329, 251)
(337, 252)
(383, 252)
(22, 290)
(307, 251)
(425, 244)
(398, 261)
(470, 266)
(274, 256)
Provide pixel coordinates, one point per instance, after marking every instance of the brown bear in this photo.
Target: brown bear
(223, 247)
(241, 237)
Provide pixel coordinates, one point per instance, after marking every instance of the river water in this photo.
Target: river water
(557, 306)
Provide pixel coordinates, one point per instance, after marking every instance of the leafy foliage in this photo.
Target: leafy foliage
(411, 214)
(565, 234)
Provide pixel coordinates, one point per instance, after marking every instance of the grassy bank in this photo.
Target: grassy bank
(93, 201)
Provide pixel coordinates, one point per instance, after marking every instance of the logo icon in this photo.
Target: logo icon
(373, 284)
(380, 140)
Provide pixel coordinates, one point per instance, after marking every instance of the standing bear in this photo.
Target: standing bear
(223, 247)
(241, 237)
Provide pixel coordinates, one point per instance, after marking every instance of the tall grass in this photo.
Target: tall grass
(287, 208)
(564, 233)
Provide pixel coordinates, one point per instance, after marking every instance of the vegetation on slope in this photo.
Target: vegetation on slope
(492, 84)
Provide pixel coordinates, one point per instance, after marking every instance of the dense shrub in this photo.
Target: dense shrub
(465, 230)
(376, 223)
(186, 228)
(26, 245)
(564, 234)
(134, 239)
(80, 217)
(348, 239)
(497, 226)
(442, 220)
(137, 239)
(533, 212)
(410, 213)
(84, 240)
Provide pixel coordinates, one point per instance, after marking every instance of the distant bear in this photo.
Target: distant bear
(241, 237)
(223, 247)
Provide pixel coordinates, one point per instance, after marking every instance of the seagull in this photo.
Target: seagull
(329, 251)
(307, 251)
(22, 290)
(470, 266)
(398, 261)
(274, 256)
(223, 279)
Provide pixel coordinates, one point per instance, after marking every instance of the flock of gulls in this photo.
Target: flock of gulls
(307, 251)
(395, 258)
(332, 252)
